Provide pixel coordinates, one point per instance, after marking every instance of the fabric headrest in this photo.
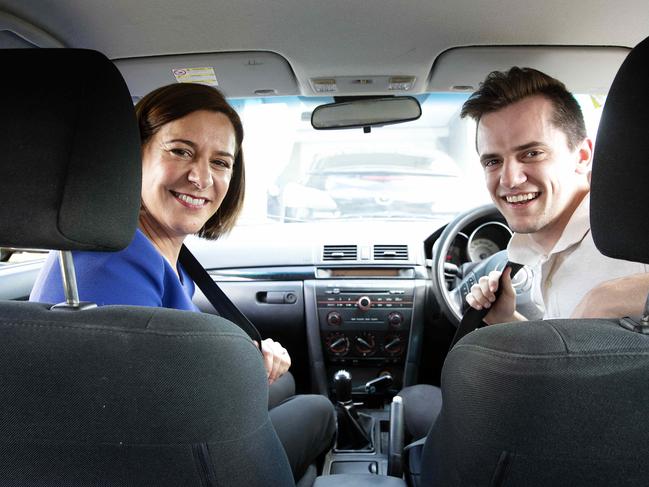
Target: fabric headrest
(621, 163)
(71, 169)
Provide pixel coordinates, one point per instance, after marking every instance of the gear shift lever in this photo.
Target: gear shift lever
(354, 428)
(343, 386)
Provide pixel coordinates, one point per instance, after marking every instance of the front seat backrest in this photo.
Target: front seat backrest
(116, 395)
(561, 402)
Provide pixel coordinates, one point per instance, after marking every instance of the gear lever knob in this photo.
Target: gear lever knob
(343, 386)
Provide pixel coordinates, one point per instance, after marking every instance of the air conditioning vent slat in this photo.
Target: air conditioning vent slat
(340, 252)
(390, 252)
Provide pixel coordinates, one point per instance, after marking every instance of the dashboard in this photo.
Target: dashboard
(353, 295)
(338, 295)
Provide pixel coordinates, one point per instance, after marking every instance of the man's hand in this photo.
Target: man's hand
(276, 359)
(483, 295)
(615, 298)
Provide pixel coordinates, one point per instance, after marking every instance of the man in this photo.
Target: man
(536, 156)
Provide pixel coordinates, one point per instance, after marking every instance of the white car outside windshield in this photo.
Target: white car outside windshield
(425, 169)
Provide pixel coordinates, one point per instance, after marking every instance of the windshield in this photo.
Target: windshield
(425, 169)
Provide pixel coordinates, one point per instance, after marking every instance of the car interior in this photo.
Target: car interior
(366, 222)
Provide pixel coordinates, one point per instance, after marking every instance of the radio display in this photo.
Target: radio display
(365, 272)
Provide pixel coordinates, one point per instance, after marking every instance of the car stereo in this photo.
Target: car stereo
(363, 324)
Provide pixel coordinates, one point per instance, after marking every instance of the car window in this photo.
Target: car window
(424, 169)
(15, 256)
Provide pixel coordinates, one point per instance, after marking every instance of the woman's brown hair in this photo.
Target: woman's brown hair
(175, 101)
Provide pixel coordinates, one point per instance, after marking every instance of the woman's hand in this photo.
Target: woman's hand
(276, 359)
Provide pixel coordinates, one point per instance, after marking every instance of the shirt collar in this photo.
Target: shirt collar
(523, 250)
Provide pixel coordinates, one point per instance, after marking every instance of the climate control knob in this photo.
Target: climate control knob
(393, 345)
(334, 319)
(337, 344)
(365, 344)
(364, 303)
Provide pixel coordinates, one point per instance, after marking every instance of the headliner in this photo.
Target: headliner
(336, 37)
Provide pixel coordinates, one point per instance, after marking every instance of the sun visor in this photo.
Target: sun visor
(236, 74)
(581, 69)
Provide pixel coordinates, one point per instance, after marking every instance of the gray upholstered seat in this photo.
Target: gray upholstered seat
(110, 396)
(561, 402)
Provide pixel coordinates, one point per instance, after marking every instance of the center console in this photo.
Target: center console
(365, 323)
(365, 328)
(368, 441)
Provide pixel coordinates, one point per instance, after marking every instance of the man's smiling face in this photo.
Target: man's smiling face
(535, 179)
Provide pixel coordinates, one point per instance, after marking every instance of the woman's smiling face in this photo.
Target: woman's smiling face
(186, 171)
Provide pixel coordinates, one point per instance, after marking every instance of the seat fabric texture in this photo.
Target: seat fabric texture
(125, 395)
(558, 402)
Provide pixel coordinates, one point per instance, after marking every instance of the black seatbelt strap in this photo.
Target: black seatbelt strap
(222, 304)
(472, 319)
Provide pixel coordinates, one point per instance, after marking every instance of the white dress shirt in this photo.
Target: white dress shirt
(573, 267)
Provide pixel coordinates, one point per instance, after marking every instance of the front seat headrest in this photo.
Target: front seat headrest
(621, 163)
(71, 167)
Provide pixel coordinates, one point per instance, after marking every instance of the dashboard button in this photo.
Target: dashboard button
(364, 303)
(395, 319)
(334, 319)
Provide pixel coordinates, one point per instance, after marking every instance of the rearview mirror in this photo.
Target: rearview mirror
(365, 113)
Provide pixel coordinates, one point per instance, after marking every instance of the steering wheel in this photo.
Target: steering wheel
(452, 302)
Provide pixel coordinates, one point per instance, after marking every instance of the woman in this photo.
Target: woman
(193, 182)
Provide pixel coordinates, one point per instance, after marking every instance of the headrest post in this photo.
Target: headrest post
(639, 326)
(69, 278)
(645, 313)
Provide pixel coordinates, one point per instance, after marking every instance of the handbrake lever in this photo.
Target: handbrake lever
(381, 383)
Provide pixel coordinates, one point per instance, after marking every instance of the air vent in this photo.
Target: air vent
(390, 252)
(339, 252)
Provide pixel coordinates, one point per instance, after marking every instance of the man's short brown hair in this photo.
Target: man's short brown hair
(501, 89)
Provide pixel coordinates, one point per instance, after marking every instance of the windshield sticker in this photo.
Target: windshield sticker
(598, 101)
(203, 76)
